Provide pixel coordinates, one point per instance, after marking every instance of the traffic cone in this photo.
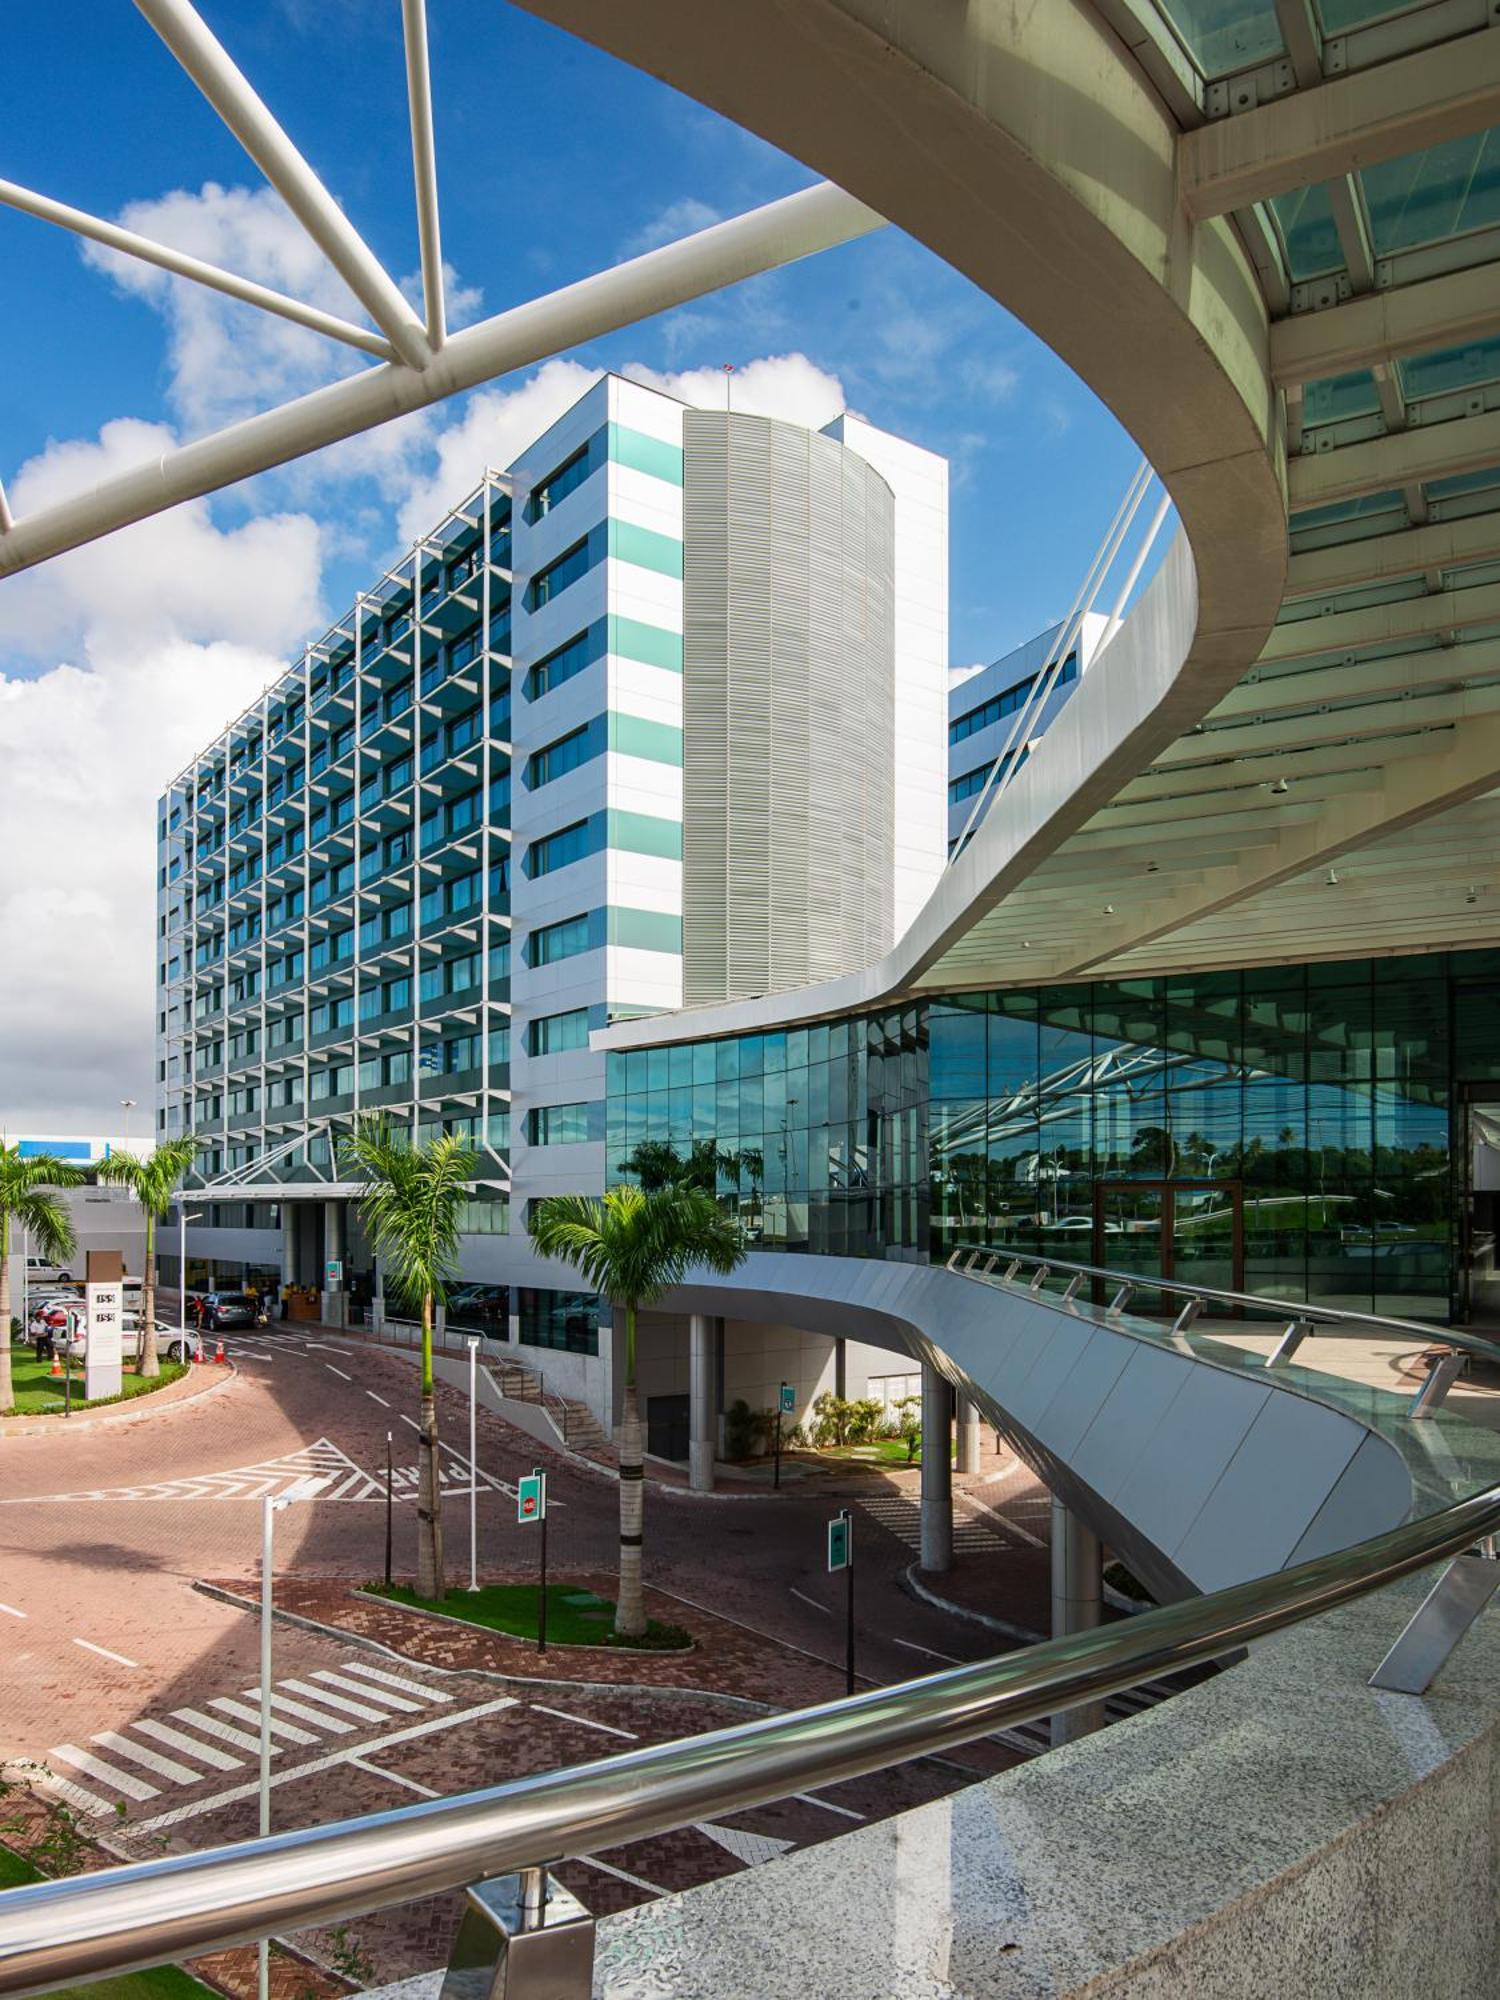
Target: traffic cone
(219, 1354)
(56, 1363)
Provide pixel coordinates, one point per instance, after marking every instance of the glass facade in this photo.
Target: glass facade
(568, 1321)
(1288, 1130)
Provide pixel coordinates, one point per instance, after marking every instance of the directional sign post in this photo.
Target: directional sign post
(786, 1404)
(841, 1556)
(531, 1506)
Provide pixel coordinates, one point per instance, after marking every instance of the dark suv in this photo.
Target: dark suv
(221, 1309)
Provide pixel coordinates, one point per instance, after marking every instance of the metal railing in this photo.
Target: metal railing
(66, 1932)
(500, 1842)
(1003, 1264)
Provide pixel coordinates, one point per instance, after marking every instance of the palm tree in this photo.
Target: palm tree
(27, 1199)
(153, 1179)
(633, 1247)
(411, 1203)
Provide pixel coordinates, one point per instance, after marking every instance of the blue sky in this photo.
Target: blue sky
(554, 159)
(118, 661)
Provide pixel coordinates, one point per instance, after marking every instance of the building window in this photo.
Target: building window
(557, 1125)
(562, 664)
(974, 781)
(554, 760)
(556, 487)
(556, 850)
(1007, 702)
(560, 940)
(568, 1321)
(553, 1034)
(550, 582)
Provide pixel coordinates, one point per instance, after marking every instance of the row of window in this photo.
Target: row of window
(1006, 703)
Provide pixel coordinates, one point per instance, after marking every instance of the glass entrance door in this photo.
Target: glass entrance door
(1193, 1230)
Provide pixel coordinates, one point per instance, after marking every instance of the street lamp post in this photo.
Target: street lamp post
(127, 1105)
(183, 1219)
(304, 1489)
(473, 1340)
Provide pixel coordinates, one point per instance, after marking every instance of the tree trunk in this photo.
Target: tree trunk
(7, 1392)
(430, 1580)
(630, 1605)
(148, 1362)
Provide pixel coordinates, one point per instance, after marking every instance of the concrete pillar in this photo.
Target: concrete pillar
(937, 1472)
(1077, 1598)
(968, 1438)
(702, 1428)
(335, 1301)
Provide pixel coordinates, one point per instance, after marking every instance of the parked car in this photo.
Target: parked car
(224, 1309)
(53, 1325)
(40, 1272)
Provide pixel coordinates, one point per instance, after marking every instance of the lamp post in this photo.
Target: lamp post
(473, 1340)
(127, 1105)
(183, 1219)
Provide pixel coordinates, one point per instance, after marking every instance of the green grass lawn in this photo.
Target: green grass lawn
(165, 1982)
(574, 1617)
(38, 1390)
(884, 1451)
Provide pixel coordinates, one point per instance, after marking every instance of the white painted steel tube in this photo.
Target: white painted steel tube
(181, 265)
(230, 92)
(424, 167)
(815, 219)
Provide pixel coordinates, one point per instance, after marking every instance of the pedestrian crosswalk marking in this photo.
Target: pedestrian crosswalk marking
(397, 1681)
(359, 1709)
(751, 1848)
(217, 1760)
(151, 1760)
(211, 1726)
(305, 1714)
(395, 1701)
(109, 1774)
(252, 1716)
(903, 1516)
(342, 1479)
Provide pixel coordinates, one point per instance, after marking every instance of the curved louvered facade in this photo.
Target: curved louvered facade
(788, 707)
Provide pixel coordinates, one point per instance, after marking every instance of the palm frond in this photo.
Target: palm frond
(411, 1200)
(632, 1245)
(154, 1177)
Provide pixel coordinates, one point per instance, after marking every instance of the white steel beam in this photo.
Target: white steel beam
(1474, 538)
(7, 519)
(1353, 227)
(815, 219)
(1450, 311)
(227, 89)
(1392, 678)
(1439, 93)
(1304, 41)
(181, 265)
(1434, 451)
(424, 167)
(1378, 624)
(1368, 723)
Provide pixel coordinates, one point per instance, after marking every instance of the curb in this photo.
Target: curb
(744, 1703)
(911, 1581)
(117, 1413)
(469, 1625)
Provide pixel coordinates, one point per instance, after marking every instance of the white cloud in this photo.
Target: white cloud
(126, 657)
(679, 218)
(776, 385)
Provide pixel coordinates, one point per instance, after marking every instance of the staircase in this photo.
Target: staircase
(575, 1423)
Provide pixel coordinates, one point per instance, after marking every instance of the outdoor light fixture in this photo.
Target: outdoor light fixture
(1332, 880)
(1279, 788)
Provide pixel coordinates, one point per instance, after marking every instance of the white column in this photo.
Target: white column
(1077, 1597)
(334, 1301)
(701, 1426)
(968, 1438)
(937, 1471)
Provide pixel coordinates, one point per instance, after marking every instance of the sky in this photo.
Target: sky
(117, 661)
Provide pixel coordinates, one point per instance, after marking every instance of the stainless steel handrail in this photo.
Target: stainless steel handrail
(1145, 1281)
(64, 1933)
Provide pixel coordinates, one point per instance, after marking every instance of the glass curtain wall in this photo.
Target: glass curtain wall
(1286, 1128)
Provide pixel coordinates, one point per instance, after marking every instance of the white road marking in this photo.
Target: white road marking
(11, 1611)
(333, 1723)
(291, 1772)
(110, 1774)
(931, 1651)
(246, 1714)
(754, 1849)
(152, 1760)
(180, 1740)
(57, 1787)
(397, 1681)
(211, 1726)
(337, 1371)
(621, 1874)
(377, 1399)
(1003, 1521)
(844, 1812)
(396, 1701)
(586, 1722)
(802, 1595)
(410, 1420)
(105, 1654)
(394, 1778)
(359, 1709)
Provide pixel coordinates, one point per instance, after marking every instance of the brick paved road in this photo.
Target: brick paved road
(132, 1695)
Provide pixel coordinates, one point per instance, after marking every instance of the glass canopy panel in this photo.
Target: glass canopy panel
(1308, 232)
(1337, 17)
(1339, 396)
(1425, 197)
(1223, 36)
(1462, 483)
(1452, 368)
(1343, 512)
